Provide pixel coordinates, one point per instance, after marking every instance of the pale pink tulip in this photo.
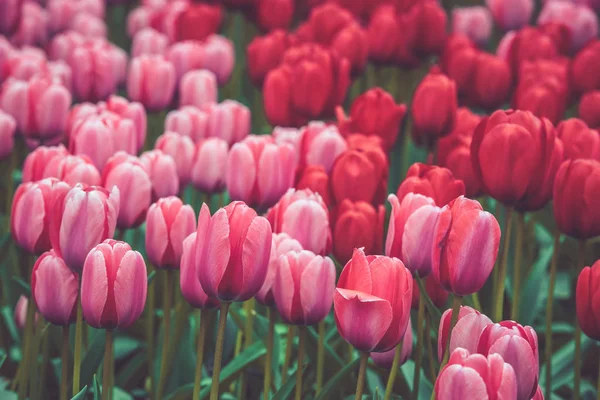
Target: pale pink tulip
(474, 22)
(469, 325)
(185, 56)
(182, 149)
(163, 173)
(8, 126)
(219, 57)
(229, 120)
(210, 165)
(188, 121)
(151, 81)
(191, 290)
(198, 88)
(149, 41)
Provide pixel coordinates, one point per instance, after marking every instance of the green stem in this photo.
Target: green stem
(455, 310)
(419, 348)
(248, 339)
(269, 356)
(288, 353)
(514, 311)
(476, 302)
(214, 390)
(200, 352)
(29, 343)
(432, 363)
(166, 333)
(499, 304)
(577, 382)
(77, 350)
(150, 332)
(320, 356)
(64, 381)
(549, 309)
(34, 367)
(106, 370)
(598, 386)
(300, 368)
(45, 359)
(389, 387)
(360, 383)
(497, 212)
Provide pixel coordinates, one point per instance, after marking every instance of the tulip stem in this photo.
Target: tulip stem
(107, 368)
(320, 356)
(598, 386)
(248, 339)
(269, 356)
(288, 353)
(476, 302)
(166, 333)
(300, 369)
(77, 350)
(150, 332)
(214, 390)
(419, 355)
(34, 367)
(64, 363)
(577, 381)
(514, 311)
(389, 387)
(200, 352)
(360, 383)
(499, 305)
(455, 311)
(549, 308)
(429, 347)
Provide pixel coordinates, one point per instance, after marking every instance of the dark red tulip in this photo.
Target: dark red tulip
(584, 68)
(578, 139)
(197, 21)
(586, 296)
(316, 179)
(265, 53)
(589, 108)
(274, 14)
(491, 83)
(431, 181)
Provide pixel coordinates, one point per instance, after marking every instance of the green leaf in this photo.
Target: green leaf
(25, 288)
(433, 310)
(151, 276)
(313, 338)
(97, 391)
(125, 346)
(374, 382)
(7, 395)
(93, 357)
(131, 369)
(425, 387)
(81, 394)
(286, 389)
(337, 381)
(120, 394)
(2, 357)
(9, 322)
(562, 364)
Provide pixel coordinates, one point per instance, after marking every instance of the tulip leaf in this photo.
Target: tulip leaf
(25, 288)
(373, 381)
(2, 357)
(9, 323)
(151, 276)
(81, 395)
(425, 387)
(93, 357)
(337, 381)
(125, 346)
(433, 310)
(313, 338)
(131, 369)
(286, 389)
(97, 391)
(8, 395)
(562, 364)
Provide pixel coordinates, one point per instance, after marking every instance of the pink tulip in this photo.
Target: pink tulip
(8, 125)
(304, 287)
(232, 251)
(139, 18)
(113, 286)
(149, 41)
(20, 312)
(83, 218)
(182, 149)
(191, 290)
(32, 208)
(40, 107)
(89, 26)
(198, 88)
(43, 163)
(101, 136)
(6, 49)
(385, 360)
(219, 57)
(163, 173)
(188, 121)
(303, 215)
(210, 165)
(291, 136)
(511, 14)
(185, 56)
(518, 345)
(581, 21)
(23, 64)
(282, 244)
(474, 22)
(476, 377)
(78, 169)
(465, 246)
(259, 171)
(151, 81)
(229, 120)
(10, 15)
(168, 223)
(59, 71)
(469, 325)
(33, 26)
(321, 145)
(62, 12)
(54, 288)
(129, 110)
(411, 230)
(62, 45)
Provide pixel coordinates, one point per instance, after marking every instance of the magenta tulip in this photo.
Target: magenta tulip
(469, 325)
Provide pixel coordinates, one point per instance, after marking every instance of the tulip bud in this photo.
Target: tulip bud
(220, 57)
(185, 56)
(210, 165)
(512, 14)
(32, 29)
(579, 141)
(63, 11)
(191, 290)
(181, 149)
(474, 237)
(162, 171)
(489, 68)
(228, 120)
(114, 284)
(432, 181)
(586, 297)
(435, 291)
(320, 145)
(383, 34)
(43, 163)
(62, 45)
(232, 252)
(151, 81)
(275, 14)
(583, 66)
(198, 88)
(83, 218)
(20, 312)
(589, 109)
(530, 44)
(78, 169)
(315, 179)
(518, 346)
(281, 244)
(148, 41)
(265, 53)
(133, 111)
(477, 375)
(10, 15)
(8, 125)
(474, 22)
(54, 287)
(386, 359)
(188, 121)
(197, 21)
(465, 334)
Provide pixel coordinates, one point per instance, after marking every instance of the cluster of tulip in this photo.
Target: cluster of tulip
(127, 159)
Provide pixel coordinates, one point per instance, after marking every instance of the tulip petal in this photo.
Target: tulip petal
(458, 383)
(94, 284)
(417, 239)
(130, 288)
(256, 252)
(317, 285)
(517, 352)
(213, 251)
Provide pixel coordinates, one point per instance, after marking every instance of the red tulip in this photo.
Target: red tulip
(589, 109)
(469, 325)
(384, 31)
(113, 285)
(586, 297)
(265, 53)
(530, 43)
(275, 14)
(232, 252)
(435, 291)
(465, 246)
(432, 181)
(576, 187)
(582, 69)
(431, 28)
(315, 179)
(491, 83)
(372, 302)
(197, 21)
(162, 171)
(191, 290)
(210, 164)
(579, 141)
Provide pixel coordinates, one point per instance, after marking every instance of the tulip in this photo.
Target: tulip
(20, 312)
(431, 27)
(83, 218)
(538, 394)
(581, 21)
(10, 15)
(8, 125)
(474, 22)
(113, 285)
(528, 44)
(32, 210)
(410, 232)
(373, 113)
(582, 67)
(586, 300)
(315, 179)
(465, 334)
(130, 110)
(475, 375)
(436, 293)
(162, 171)
(198, 88)
(437, 183)
(577, 183)
(433, 108)
(265, 53)
(63, 44)
(303, 287)
(489, 68)
(589, 109)
(63, 11)
(148, 41)
(188, 121)
(220, 57)
(210, 165)
(294, 136)
(185, 56)
(78, 169)
(181, 148)
(518, 346)
(197, 21)
(33, 27)
(282, 244)
(320, 144)
(54, 288)
(512, 14)
(275, 14)
(151, 81)
(191, 290)
(372, 302)
(579, 141)
(473, 234)
(89, 26)
(383, 33)
(22, 64)
(357, 225)
(304, 216)
(43, 162)
(385, 360)
(128, 174)
(259, 171)
(222, 270)
(228, 120)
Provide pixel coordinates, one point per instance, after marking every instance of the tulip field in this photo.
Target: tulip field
(299, 199)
